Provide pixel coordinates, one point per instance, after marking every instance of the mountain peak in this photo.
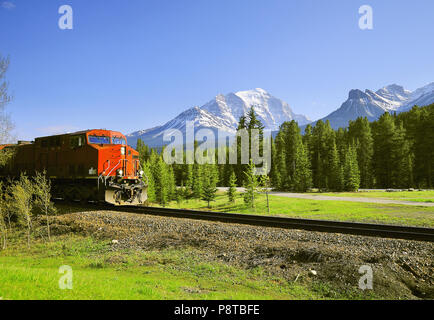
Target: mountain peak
(393, 88)
(260, 90)
(224, 111)
(391, 98)
(356, 94)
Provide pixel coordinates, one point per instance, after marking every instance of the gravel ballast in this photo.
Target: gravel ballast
(402, 269)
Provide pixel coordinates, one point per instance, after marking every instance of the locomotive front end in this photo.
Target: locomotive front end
(120, 173)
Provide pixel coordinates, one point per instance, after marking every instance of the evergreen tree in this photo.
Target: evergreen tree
(250, 185)
(160, 175)
(390, 158)
(232, 190)
(171, 184)
(292, 167)
(197, 181)
(189, 182)
(322, 138)
(274, 172)
(149, 179)
(360, 131)
(419, 125)
(336, 172)
(351, 170)
(209, 184)
(249, 122)
(341, 141)
(143, 150)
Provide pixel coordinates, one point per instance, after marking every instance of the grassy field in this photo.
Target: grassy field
(416, 196)
(318, 209)
(102, 273)
(99, 273)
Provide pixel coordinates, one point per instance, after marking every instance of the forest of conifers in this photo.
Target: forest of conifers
(396, 151)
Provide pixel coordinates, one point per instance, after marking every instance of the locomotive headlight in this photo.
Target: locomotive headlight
(123, 149)
(141, 172)
(120, 173)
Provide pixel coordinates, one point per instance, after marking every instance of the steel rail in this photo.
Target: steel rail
(354, 228)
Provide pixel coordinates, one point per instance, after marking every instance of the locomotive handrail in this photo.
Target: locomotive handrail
(102, 176)
(117, 165)
(139, 167)
(114, 167)
(104, 170)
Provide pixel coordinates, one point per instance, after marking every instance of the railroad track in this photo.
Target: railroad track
(355, 228)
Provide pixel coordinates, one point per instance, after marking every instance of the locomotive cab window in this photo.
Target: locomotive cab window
(118, 140)
(99, 139)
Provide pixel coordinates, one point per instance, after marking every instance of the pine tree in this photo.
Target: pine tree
(280, 176)
(209, 184)
(148, 178)
(322, 135)
(383, 134)
(341, 140)
(197, 181)
(391, 150)
(249, 122)
(418, 124)
(336, 172)
(161, 179)
(351, 170)
(360, 131)
(292, 167)
(171, 186)
(303, 175)
(250, 185)
(232, 190)
(189, 182)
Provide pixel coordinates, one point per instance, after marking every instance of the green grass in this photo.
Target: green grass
(99, 273)
(322, 209)
(416, 196)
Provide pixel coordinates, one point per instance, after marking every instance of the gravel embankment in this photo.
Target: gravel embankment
(402, 269)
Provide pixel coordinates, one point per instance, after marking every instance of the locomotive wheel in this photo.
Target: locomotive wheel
(84, 194)
(65, 193)
(117, 196)
(93, 194)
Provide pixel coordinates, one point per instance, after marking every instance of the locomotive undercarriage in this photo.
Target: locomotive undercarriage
(125, 192)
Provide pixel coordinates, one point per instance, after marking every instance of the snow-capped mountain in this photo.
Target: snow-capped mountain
(420, 97)
(392, 98)
(223, 112)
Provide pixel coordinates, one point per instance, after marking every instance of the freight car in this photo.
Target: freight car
(91, 165)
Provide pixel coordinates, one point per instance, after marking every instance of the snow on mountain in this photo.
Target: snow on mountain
(392, 98)
(428, 89)
(394, 93)
(223, 112)
(420, 97)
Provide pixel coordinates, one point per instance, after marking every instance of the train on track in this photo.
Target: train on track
(91, 165)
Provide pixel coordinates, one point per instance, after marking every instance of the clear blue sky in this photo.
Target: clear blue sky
(130, 65)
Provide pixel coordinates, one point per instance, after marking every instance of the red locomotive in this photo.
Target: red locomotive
(90, 165)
